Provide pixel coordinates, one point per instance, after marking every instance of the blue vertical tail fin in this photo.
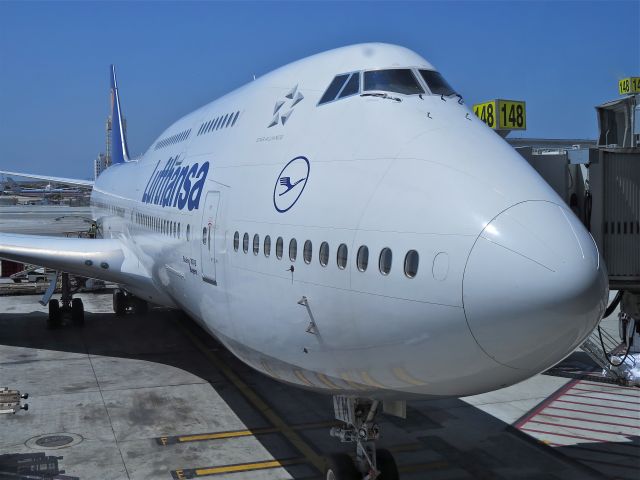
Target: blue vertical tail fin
(119, 150)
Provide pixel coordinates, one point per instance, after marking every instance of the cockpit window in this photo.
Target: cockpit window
(436, 83)
(334, 88)
(399, 80)
(352, 87)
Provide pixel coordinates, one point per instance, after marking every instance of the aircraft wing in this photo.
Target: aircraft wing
(105, 259)
(62, 180)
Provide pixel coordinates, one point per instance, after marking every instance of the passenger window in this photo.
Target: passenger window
(229, 120)
(267, 246)
(341, 258)
(236, 240)
(293, 250)
(235, 119)
(189, 232)
(204, 236)
(436, 83)
(279, 247)
(222, 123)
(324, 254)
(245, 242)
(362, 260)
(400, 80)
(178, 229)
(307, 252)
(334, 88)
(352, 87)
(256, 244)
(384, 263)
(411, 264)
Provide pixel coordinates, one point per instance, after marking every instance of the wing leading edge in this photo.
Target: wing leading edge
(105, 259)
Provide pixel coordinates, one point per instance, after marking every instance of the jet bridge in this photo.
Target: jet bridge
(601, 183)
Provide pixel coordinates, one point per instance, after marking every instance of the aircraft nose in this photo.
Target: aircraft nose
(534, 285)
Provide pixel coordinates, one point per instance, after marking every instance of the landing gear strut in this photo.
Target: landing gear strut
(67, 306)
(358, 415)
(124, 302)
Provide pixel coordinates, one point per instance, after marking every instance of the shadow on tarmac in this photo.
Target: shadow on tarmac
(443, 438)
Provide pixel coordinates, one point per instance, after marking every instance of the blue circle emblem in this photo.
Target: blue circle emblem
(291, 183)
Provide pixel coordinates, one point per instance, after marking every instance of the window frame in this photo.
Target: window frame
(279, 248)
(380, 261)
(426, 85)
(416, 76)
(405, 264)
(293, 246)
(346, 257)
(324, 246)
(256, 244)
(361, 250)
(266, 246)
(245, 243)
(307, 258)
(337, 97)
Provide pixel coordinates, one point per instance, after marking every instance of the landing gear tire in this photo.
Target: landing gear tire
(341, 467)
(119, 303)
(77, 312)
(54, 320)
(386, 464)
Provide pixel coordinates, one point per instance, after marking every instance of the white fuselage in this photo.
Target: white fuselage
(508, 281)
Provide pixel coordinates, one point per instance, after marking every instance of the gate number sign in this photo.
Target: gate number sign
(502, 114)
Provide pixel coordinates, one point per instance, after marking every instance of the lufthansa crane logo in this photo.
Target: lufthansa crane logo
(290, 184)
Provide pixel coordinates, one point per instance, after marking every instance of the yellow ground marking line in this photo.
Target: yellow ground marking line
(216, 436)
(302, 378)
(324, 379)
(297, 441)
(247, 467)
(402, 374)
(368, 379)
(199, 437)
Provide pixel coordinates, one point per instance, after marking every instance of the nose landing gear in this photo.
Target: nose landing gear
(360, 428)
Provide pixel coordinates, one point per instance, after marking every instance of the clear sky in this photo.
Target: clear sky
(562, 58)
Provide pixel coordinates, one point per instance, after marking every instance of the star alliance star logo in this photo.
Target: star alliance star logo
(284, 108)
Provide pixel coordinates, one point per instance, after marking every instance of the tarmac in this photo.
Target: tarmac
(155, 397)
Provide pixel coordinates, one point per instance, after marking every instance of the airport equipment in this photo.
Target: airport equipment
(37, 465)
(601, 183)
(33, 274)
(345, 231)
(10, 400)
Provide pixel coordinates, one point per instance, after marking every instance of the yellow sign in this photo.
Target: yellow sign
(629, 86)
(502, 114)
(486, 112)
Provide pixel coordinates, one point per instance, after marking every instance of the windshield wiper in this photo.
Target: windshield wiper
(381, 95)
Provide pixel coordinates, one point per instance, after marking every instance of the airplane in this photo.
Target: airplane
(344, 224)
(11, 187)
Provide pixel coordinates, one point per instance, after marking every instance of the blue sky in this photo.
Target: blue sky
(562, 58)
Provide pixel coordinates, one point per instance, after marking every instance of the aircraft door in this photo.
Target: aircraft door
(207, 247)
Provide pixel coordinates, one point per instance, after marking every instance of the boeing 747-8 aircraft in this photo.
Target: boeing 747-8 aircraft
(347, 225)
